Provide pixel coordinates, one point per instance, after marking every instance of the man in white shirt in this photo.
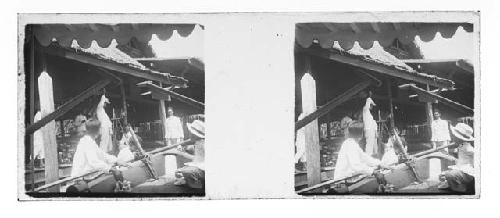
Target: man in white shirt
(440, 134)
(173, 128)
(88, 157)
(351, 158)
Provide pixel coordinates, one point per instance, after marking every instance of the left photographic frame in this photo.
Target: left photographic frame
(111, 110)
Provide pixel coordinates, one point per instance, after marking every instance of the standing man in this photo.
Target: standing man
(173, 128)
(440, 132)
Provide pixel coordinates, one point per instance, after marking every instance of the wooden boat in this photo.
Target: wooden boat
(137, 174)
(401, 179)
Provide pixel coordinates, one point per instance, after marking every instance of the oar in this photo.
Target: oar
(67, 179)
(399, 143)
(432, 150)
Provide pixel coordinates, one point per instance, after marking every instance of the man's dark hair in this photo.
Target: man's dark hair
(355, 130)
(93, 126)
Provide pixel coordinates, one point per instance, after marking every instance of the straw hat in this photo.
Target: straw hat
(197, 128)
(463, 132)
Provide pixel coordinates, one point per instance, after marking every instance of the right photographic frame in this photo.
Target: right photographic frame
(386, 108)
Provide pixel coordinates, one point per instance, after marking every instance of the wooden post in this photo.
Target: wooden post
(45, 91)
(32, 107)
(124, 104)
(308, 86)
(163, 117)
(428, 108)
(391, 107)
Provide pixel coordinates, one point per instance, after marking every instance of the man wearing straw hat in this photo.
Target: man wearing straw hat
(460, 177)
(193, 173)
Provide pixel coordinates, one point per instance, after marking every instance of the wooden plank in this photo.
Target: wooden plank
(164, 94)
(332, 104)
(67, 106)
(308, 89)
(332, 55)
(45, 91)
(455, 105)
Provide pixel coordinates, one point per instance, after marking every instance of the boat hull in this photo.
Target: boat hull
(136, 174)
(401, 177)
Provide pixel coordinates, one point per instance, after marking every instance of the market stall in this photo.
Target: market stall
(345, 70)
(80, 70)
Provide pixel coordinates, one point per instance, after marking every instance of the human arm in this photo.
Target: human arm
(93, 153)
(359, 161)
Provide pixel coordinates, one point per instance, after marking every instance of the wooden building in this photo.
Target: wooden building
(78, 63)
(336, 64)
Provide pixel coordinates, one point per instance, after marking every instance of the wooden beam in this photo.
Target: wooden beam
(46, 95)
(455, 105)
(164, 93)
(332, 104)
(375, 27)
(67, 106)
(332, 55)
